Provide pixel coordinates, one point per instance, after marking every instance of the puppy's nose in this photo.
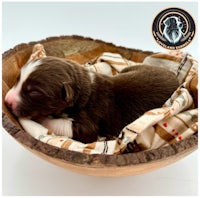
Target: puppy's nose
(11, 100)
(9, 103)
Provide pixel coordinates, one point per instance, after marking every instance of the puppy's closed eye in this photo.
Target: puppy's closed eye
(34, 93)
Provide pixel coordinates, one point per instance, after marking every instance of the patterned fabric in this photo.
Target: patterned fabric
(109, 64)
(176, 120)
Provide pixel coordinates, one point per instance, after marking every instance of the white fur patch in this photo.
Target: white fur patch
(60, 126)
(26, 71)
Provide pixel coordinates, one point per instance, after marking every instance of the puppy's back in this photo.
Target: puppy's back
(148, 83)
(141, 88)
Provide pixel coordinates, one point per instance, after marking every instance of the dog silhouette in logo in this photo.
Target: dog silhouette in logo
(173, 29)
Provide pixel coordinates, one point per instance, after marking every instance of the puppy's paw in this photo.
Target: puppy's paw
(60, 126)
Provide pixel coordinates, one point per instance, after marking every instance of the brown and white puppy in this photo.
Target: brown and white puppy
(97, 105)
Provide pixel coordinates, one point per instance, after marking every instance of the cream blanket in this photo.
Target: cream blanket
(176, 120)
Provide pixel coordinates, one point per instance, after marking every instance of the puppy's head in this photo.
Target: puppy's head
(173, 23)
(43, 88)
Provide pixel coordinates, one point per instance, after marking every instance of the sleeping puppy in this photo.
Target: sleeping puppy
(95, 104)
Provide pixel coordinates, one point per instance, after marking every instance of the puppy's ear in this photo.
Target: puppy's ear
(67, 92)
(166, 22)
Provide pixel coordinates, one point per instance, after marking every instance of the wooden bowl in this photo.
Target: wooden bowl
(82, 50)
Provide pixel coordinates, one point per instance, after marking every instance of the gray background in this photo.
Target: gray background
(125, 24)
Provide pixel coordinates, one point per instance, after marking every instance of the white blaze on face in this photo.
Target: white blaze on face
(12, 98)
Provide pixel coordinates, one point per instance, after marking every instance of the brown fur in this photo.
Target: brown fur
(103, 107)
